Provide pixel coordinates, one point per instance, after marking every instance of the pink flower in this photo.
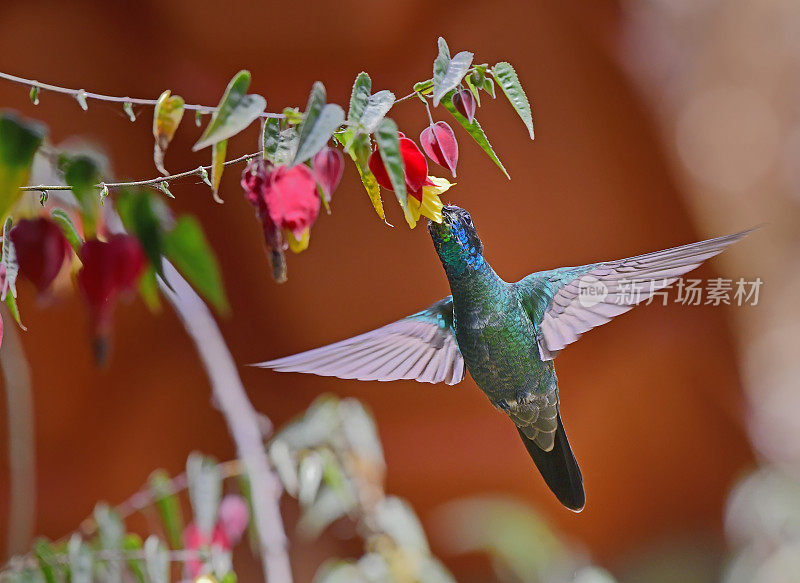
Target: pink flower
(439, 143)
(232, 519)
(464, 102)
(328, 165)
(194, 540)
(415, 168)
(41, 249)
(233, 516)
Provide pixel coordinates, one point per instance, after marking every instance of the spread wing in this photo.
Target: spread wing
(422, 347)
(569, 301)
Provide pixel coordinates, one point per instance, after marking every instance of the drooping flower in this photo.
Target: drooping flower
(430, 205)
(328, 166)
(464, 102)
(232, 519)
(439, 143)
(41, 249)
(109, 268)
(415, 167)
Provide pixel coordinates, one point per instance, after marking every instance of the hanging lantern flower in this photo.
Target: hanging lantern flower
(415, 167)
(464, 102)
(430, 205)
(110, 268)
(41, 249)
(328, 166)
(439, 143)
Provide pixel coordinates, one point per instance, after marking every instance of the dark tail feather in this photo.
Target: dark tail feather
(559, 469)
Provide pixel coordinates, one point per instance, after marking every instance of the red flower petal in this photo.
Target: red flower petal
(328, 165)
(377, 168)
(464, 102)
(291, 198)
(415, 167)
(41, 249)
(439, 143)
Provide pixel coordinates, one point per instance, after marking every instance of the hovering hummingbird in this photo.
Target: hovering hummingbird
(507, 335)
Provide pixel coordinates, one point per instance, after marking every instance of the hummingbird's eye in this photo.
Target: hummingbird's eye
(468, 219)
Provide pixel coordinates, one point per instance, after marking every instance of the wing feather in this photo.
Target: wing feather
(421, 347)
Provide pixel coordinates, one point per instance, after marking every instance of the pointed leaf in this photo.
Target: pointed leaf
(447, 72)
(217, 166)
(148, 290)
(359, 97)
(156, 559)
(474, 129)
(111, 531)
(166, 118)
(271, 138)
(205, 490)
(169, 508)
(127, 107)
(376, 109)
(310, 478)
(80, 96)
(316, 101)
(389, 147)
(236, 111)
(313, 139)
(19, 140)
(139, 214)
(48, 560)
(373, 190)
(186, 246)
(506, 76)
(82, 173)
(287, 146)
(63, 220)
(11, 304)
(80, 560)
(133, 542)
(9, 262)
(34, 94)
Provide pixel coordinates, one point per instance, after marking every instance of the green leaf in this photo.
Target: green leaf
(292, 115)
(373, 190)
(217, 166)
(34, 94)
(473, 89)
(156, 559)
(376, 109)
(447, 72)
(82, 173)
(127, 107)
(236, 111)
(167, 117)
(169, 508)
(506, 76)
(19, 140)
(310, 478)
(9, 262)
(47, 559)
(62, 219)
(424, 87)
(359, 97)
(314, 139)
(133, 542)
(488, 86)
(474, 129)
(80, 560)
(139, 214)
(287, 146)
(11, 304)
(80, 97)
(205, 490)
(316, 101)
(252, 526)
(271, 138)
(389, 148)
(186, 246)
(148, 290)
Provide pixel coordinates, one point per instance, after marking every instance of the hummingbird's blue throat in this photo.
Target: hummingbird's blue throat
(456, 242)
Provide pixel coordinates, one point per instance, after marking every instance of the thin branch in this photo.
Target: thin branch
(242, 419)
(100, 97)
(150, 182)
(21, 450)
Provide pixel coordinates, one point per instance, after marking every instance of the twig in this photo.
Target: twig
(152, 181)
(21, 451)
(100, 97)
(242, 419)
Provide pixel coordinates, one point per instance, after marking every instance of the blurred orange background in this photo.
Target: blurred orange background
(652, 403)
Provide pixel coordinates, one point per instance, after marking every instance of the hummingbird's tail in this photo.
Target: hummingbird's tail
(559, 469)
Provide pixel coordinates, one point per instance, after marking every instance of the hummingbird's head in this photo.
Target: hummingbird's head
(456, 240)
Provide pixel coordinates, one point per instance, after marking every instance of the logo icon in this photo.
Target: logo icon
(591, 291)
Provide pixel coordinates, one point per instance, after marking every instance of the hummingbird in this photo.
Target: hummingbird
(507, 335)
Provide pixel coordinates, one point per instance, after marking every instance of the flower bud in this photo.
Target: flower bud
(439, 143)
(328, 166)
(41, 249)
(464, 102)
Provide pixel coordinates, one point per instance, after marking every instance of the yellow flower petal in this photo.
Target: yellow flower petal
(298, 245)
